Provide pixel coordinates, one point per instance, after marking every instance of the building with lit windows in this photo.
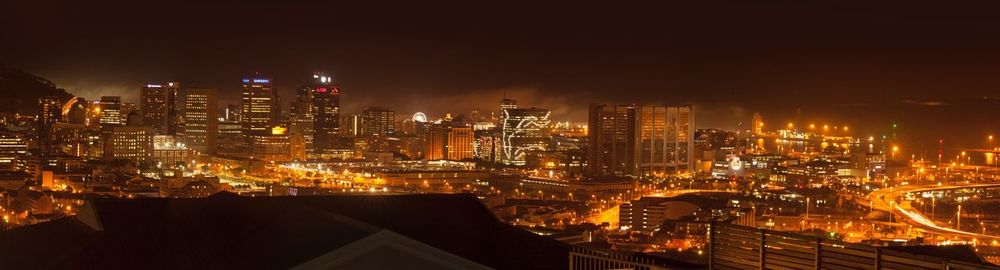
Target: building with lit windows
(13, 149)
(641, 140)
(169, 150)
(49, 111)
(130, 143)
(274, 146)
(156, 104)
(111, 111)
(523, 130)
(326, 116)
(378, 121)
(448, 143)
(259, 105)
(300, 130)
(201, 125)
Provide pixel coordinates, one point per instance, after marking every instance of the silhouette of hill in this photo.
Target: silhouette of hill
(20, 91)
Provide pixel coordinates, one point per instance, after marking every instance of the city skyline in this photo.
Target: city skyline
(494, 135)
(918, 61)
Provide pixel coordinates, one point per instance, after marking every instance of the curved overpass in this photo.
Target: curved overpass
(885, 200)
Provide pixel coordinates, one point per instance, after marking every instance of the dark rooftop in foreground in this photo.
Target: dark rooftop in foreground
(229, 231)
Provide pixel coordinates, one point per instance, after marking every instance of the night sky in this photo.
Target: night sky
(926, 67)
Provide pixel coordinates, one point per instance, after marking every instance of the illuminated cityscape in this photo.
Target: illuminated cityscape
(690, 136)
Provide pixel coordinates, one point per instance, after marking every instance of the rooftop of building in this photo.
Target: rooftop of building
(230, 231)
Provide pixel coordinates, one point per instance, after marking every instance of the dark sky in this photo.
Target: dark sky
(925, 66)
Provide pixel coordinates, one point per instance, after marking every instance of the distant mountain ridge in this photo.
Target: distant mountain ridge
(19, 91)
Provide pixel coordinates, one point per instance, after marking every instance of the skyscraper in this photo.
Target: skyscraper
(301, 123)
(641, 140)
(49, 112)
(378, 121)
(326, 114)
(201, 125)
(155, 106)
(258, 105)
(523, 130)
(175, 108)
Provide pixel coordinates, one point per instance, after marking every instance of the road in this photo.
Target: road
(886, 199)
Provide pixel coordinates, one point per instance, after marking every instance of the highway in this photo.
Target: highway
(886, 199)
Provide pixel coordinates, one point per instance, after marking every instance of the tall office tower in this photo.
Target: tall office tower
(155, 106)
(647, 141)
(449, 143)
(326, 115)
(258, 107)
(523, 130)
(49, 112)
(111, 112)
(378, 121)
(757, 127)
(505, 104)
(201, 121)
(301, 123)
(175, 108)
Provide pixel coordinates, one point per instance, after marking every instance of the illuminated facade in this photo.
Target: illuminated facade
(49, 111)
(523, 130)
(156, 104)
(111, 112)
(201, 125)
(641, 140)
(326, 116)
(13, 149)
(301, 123)
(130, 143)
(274, 146)
(169, 150)
(259, 104)
(378, 121)
(448, 143)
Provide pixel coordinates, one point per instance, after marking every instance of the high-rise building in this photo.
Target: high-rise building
(155, 106)
(378, 121)
(449, 143)
(49, 111)
(641, 140)
(130, 143)
(201, 122)
(301, 123)
(505, 104)
(258, 105)
(326, 115)
(523, 130)
(175, 108)
(111, 112)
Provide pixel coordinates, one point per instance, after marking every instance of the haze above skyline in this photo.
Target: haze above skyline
(924, 66)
